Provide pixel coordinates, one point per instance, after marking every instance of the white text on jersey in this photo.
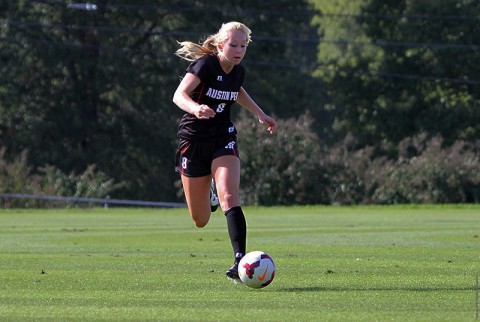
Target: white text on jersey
(222, 95)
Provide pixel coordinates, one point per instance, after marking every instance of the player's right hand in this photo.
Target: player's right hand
(203, 112)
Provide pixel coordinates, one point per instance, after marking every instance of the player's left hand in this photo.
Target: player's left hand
(269, 122)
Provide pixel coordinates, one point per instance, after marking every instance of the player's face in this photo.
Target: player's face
(235, 47)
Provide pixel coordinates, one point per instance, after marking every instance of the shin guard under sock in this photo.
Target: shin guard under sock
(237, 229)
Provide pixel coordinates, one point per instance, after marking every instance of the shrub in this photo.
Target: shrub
(17, 177)
(281, 168)
(345, 172)
(294, 167)
(434, 174)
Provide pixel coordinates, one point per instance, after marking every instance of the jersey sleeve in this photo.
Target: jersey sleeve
(199, 68)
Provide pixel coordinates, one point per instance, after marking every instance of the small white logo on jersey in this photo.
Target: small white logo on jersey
(220, 78)
(230, 145)
(231, 129)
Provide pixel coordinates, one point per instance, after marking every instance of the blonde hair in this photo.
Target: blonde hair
(191, 51)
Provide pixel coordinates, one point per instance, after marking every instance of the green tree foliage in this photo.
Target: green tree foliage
(396, 69)
(80, 89)
(93, 87)
(88, 93)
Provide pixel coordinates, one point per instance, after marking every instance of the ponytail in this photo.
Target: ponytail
(191, 51)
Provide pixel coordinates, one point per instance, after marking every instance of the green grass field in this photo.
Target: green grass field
(408, 263)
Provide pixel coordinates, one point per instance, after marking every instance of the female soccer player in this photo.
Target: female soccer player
(207, 147)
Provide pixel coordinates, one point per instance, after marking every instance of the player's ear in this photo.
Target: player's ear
(220, 47)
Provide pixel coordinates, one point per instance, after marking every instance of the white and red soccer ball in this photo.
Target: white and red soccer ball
(256, 269)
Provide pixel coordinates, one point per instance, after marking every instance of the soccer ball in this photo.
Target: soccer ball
(256, 269)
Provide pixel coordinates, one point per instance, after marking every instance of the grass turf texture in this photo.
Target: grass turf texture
(406, 263)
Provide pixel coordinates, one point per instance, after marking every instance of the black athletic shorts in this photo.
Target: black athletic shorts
(194, 158)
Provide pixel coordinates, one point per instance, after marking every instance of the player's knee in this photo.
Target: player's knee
(200, 222)
(229, 201)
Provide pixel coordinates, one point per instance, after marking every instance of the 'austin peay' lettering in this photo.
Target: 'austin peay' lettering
(222, 95)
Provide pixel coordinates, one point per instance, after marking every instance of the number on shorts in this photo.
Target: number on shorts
(184, 163)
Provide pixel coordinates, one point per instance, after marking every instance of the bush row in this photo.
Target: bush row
(295, 167)
(18, 177)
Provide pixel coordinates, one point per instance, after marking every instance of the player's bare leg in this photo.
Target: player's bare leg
(197, 194)
(226, 170)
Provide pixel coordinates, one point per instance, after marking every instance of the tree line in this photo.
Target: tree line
(377, 102)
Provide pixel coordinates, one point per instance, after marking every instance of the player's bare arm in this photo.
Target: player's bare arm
(248, 103)
(182, 99)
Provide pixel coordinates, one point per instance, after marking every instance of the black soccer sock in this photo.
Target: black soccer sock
(237, 229)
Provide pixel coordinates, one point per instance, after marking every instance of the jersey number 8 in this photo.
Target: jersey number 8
(220, 107)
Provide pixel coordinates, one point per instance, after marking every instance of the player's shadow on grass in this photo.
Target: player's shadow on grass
(367, 289)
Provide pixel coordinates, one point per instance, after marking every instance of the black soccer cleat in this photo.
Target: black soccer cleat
(232, 272)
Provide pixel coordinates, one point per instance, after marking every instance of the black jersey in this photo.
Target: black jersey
(217, 90)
